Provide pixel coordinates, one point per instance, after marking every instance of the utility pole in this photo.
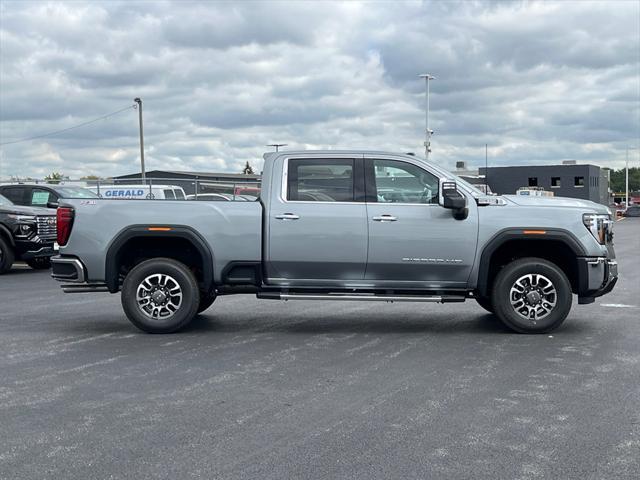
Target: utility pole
(428, 132)
(139, 102)
(626, 202)
(486, 169)
(277, 145)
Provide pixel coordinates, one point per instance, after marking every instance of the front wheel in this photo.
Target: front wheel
(531, 295)
(160, 295)
(206, 300)
(6, 256)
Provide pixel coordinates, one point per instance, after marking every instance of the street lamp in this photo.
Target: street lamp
(428, 132)
(277, 145)
(139, 102)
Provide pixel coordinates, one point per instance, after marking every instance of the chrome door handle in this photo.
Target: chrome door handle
(385, 218)
(288, 216)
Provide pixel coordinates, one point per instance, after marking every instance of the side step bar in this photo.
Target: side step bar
(84, 287)
(361, 297)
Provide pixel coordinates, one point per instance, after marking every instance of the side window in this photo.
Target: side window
(179, 194)
(40, 197)
(318, 180)
(169, 195)
(15, 194)
(401, 182)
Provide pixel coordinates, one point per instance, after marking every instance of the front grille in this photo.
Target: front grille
(46, 227)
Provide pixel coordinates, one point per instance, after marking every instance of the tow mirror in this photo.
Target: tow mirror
(449, 197)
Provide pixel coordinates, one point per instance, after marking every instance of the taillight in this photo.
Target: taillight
(65, 222)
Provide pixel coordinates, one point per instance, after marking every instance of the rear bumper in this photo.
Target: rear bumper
(71, 271)
(596, 277)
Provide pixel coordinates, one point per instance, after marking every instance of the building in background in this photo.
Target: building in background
(207, 182)
(588, 182)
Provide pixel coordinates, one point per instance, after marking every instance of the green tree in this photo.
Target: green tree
(617, 180)
(54, 177)
(91, 177)
(248, 169)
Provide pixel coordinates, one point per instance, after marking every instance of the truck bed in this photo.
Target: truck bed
(236, 227)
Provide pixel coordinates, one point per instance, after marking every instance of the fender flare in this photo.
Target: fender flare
(174, 231)
(509, 234)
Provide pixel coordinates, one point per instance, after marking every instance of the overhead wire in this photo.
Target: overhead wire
(44, 135)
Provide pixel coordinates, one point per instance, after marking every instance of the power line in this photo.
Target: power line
(69, 128)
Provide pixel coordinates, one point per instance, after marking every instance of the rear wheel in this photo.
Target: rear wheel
(531, 295)
(6, 256)
(40, 263)
(160, 295)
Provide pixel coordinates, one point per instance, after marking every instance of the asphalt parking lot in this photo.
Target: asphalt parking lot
(264, 389)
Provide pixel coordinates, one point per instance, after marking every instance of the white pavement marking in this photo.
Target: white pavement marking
(617, 305)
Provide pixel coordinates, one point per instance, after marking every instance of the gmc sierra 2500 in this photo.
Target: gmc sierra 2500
(342, 225)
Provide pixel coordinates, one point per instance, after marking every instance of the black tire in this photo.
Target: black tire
(542, 273)
(40, 263)
(485, 302)
(179, 311)
(206, 299)
(6, 256)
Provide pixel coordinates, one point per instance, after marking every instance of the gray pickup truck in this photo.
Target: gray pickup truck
(342, 225)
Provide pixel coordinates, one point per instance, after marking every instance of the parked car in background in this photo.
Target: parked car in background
(26, 233)
(42, 195)
(142, 192)
(632, 211)
(210, 197)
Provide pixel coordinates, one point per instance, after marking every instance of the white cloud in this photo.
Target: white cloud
(538, 81)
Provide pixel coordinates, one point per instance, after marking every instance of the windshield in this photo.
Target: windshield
(5, 201)
(75, 192)
(473, 190)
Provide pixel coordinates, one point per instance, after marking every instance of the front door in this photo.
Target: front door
(317, 224)
(413, 241)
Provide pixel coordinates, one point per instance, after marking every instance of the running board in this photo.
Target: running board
(84, 287)
(361, 297)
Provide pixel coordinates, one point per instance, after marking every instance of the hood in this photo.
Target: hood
(532, 201)
(22, 210)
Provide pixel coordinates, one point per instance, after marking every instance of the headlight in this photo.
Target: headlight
(23, 218)
(599, 225)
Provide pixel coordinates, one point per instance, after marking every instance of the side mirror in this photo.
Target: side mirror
(449, 197)
(53, 205)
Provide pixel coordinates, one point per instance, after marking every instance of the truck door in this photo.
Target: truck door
(413, 241)
(317, 223)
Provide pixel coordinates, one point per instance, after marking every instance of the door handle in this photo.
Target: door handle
(385, 218)
(287, 216)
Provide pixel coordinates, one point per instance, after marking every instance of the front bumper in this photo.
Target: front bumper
(30, 250)
(596, 277)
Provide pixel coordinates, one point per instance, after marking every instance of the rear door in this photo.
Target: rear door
(317, 223)
(413, 241)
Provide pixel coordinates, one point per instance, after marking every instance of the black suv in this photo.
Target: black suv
(42, 195)
(26, 233)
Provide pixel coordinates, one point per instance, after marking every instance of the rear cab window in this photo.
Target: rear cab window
(320, 180)
(40, 197)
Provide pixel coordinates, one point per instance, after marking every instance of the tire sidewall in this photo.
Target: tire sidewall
(206, 300)
(188, 285)
(507, 277)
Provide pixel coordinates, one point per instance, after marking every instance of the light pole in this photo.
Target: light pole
(428, 132)
(139, 102)
(277, 145)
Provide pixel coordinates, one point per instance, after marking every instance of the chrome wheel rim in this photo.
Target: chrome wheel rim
(533, 297)
(159, 296)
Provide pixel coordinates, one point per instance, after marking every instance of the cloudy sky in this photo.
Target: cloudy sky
(539, 82)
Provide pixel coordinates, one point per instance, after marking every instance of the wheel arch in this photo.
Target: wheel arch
(158, 241)
(5, 234)
(556, 245)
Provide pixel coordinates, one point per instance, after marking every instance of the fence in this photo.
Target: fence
(155, 188)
